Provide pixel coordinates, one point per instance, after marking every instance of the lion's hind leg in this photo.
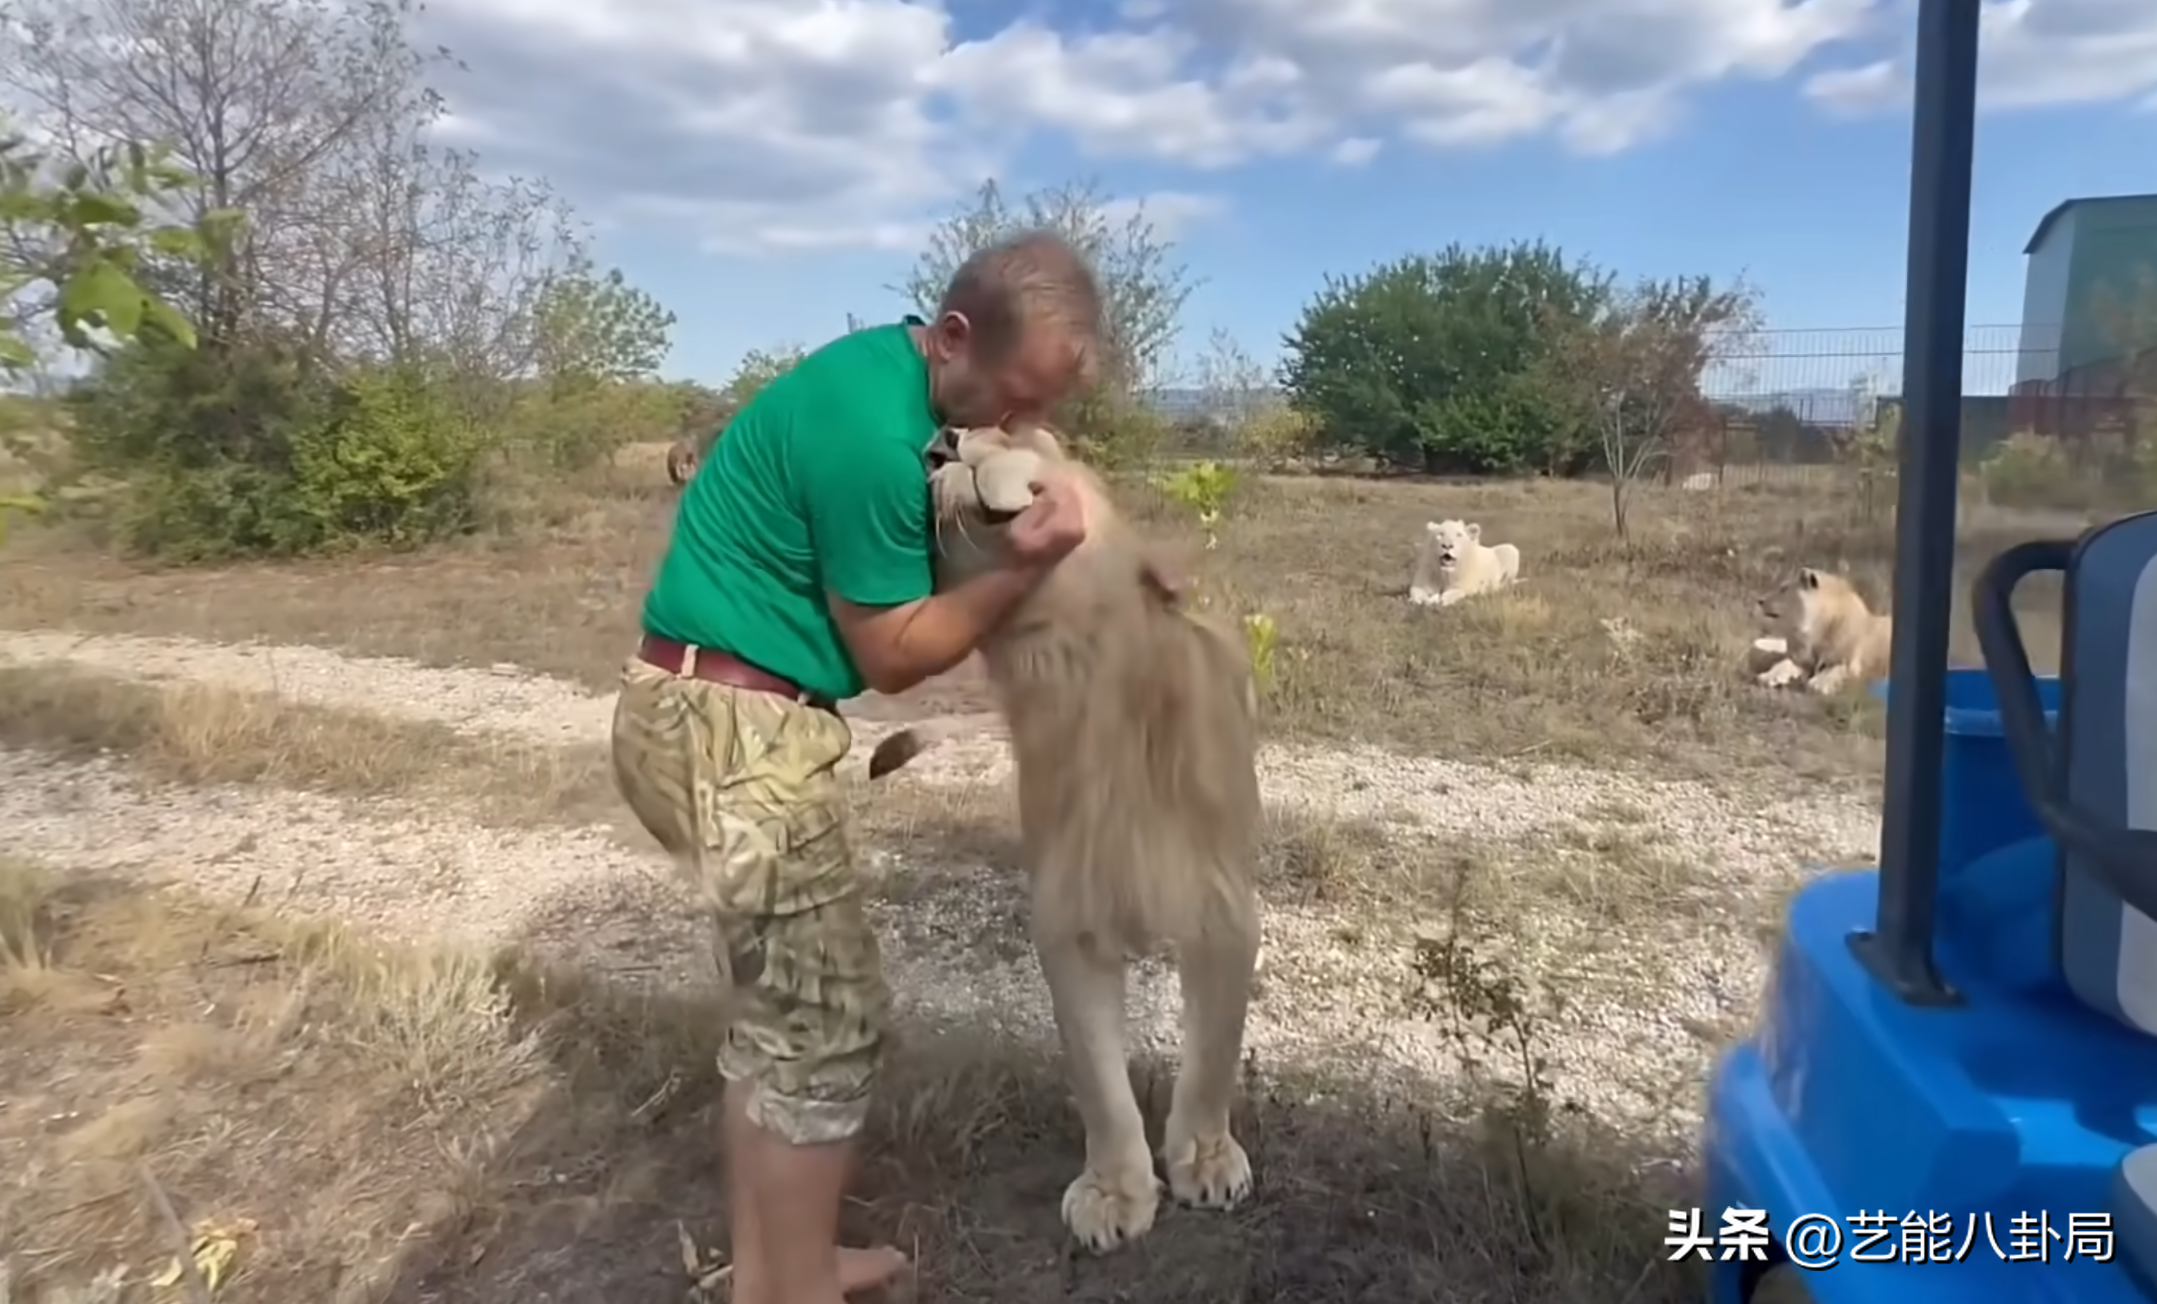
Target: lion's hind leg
(1114, 1200)
(1206, 1166)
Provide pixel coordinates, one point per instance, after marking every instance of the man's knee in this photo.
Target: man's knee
(809, 1021)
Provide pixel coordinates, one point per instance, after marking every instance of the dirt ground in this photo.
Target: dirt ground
(348, 963)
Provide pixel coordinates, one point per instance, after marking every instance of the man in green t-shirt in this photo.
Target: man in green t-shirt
(800, 572)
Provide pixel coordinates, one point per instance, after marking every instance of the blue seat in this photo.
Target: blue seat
(1958, 1149)
(2107, 947)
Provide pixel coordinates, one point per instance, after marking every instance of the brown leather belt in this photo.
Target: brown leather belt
(717, 667)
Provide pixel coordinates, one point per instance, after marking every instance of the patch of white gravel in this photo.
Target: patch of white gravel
(506, 699)
(1442, 796)
(956, 943)
(503, 699)
(1627, 1041)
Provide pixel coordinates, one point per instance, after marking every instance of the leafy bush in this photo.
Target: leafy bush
(1112, 431)
(1278, 435)
(576, 427)
(1445, 361)
(2031, 470)
(256, 451)
(392, 467)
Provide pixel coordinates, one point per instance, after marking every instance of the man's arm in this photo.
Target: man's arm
(898, 647)
(869, 522)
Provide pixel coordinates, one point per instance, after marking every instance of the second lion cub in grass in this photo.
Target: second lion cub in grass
(1830, 637)
(1454, 564)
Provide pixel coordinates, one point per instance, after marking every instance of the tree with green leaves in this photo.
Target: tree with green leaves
(1144, 285)
(1439, 361)
(72, 237)
(598, 329)
(758, 368)
(1634, 367)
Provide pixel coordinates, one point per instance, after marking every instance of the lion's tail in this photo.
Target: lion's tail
(897, 749)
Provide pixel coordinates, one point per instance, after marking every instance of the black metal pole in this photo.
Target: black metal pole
(1899, 953)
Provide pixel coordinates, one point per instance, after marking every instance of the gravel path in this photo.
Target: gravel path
(1628, 1043)
(1420, 792)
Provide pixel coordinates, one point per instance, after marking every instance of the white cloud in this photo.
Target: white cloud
(1356, 151)
(803, 124)
(1172, 212)
(2031, 53)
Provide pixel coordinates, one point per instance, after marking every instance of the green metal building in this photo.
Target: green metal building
(2090, 301)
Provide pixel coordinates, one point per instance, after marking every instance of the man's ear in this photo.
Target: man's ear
(948, 336)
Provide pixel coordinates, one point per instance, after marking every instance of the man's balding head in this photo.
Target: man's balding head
(1018, 329)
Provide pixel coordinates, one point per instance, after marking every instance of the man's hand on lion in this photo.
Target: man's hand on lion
(1051, 526)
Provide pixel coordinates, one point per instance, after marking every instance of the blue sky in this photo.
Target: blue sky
(766, 167)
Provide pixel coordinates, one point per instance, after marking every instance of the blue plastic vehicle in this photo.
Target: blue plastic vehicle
(1952, 1092)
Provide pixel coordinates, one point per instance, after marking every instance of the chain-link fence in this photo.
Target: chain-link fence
(1797, 406)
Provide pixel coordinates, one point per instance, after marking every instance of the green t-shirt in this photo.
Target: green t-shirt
(817, 486)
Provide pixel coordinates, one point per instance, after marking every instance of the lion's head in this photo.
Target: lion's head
(979, 480)
(1449, 540)
(681, 461)
(1806, 603)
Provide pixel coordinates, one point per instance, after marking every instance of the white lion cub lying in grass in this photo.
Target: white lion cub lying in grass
(1827, 636)
(1454, 564)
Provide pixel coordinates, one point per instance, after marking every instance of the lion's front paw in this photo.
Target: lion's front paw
(1829, 681)
(1210, 1174)
(1108, 1210)
(1781, 675)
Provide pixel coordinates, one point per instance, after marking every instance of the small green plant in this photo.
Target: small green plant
(81, 226)
(1203, 489)
(1260, 635)
(23, 503)
(1495, 1022)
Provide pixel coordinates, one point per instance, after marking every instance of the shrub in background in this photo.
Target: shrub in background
(256, 450)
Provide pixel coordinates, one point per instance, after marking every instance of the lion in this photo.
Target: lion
(1133, 725)
(1829, 636)
(681, 461)
(1454, 564)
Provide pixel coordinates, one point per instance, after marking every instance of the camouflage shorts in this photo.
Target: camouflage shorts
(742, 788)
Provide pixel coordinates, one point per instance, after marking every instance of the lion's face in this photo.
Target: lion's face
(681, 461)
(1451, 539)
(1793, 609)
(979, 480)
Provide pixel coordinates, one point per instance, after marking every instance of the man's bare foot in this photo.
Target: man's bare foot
(867, 1269)
(859, 1270)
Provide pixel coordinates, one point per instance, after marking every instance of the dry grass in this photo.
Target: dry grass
(201, 735)
(394, 1124)
(1606, 654)
(430, 1124)
(427, 1125)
